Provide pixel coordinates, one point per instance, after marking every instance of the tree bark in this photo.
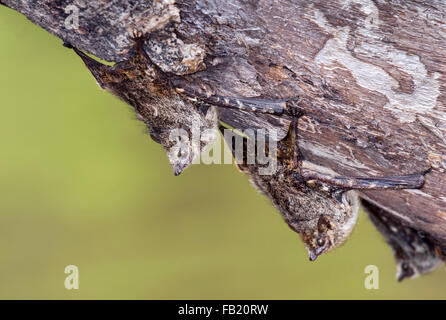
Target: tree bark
(371, 75)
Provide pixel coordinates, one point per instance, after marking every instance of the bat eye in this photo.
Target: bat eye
(405, 266)
(320, 242)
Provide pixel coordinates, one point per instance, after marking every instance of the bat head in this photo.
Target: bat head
(321, 239)
(332, 228)
(185, 144)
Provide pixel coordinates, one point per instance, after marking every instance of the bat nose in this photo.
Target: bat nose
(313, 254)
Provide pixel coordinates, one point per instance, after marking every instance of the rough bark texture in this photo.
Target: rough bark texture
(371, 74)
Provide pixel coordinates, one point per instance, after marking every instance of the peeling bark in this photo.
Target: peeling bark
(371, 75)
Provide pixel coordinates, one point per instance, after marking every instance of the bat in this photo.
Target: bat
(318, 204)
(415, 254)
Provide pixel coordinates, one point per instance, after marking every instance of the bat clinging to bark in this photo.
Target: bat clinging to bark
(314, 201)
(170, 106)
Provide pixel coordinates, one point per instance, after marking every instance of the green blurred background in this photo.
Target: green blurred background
(82, 183)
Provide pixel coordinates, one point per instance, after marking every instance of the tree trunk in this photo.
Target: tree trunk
(371, 75)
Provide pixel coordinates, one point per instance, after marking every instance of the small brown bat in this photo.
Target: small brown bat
(415, 254)
(168, 103)
(314, 201)
(141, 84)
